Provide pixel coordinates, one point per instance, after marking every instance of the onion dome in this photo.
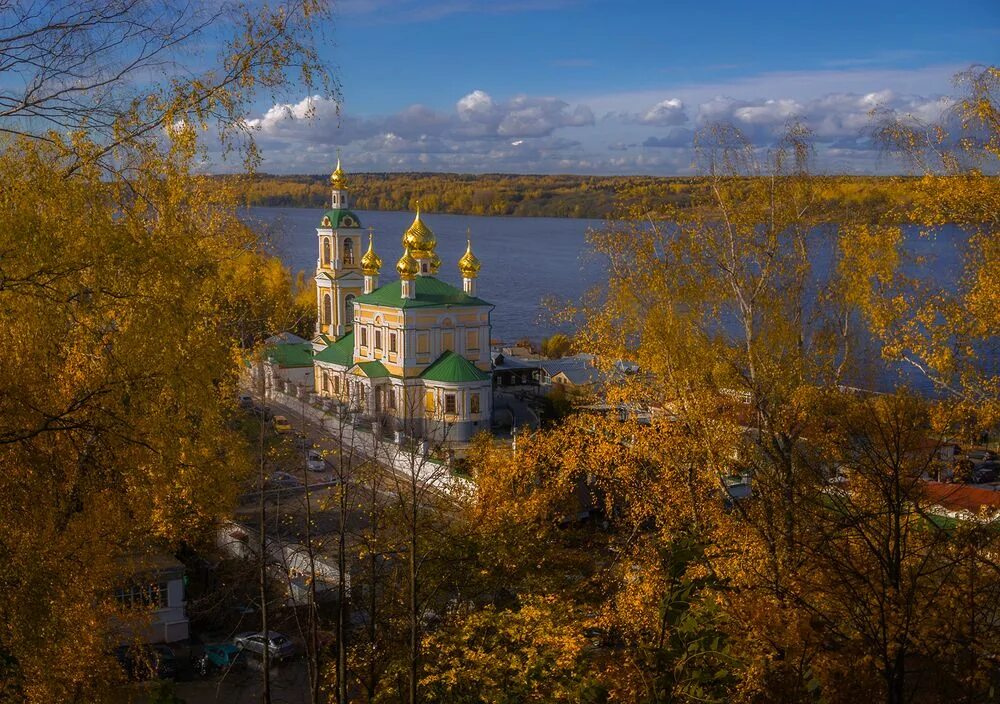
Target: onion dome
(419, 238)
(469, 265)
(371, 262)
(338, 179)
(407, 266)
(435, 263)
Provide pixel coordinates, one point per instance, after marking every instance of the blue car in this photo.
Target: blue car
(219, 656)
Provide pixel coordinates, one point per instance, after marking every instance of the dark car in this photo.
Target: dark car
(262, 412)
(219, 656)
(147, 662)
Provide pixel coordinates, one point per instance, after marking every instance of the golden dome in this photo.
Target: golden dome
(338, 179)
(419, 238)
(469, 265)
(407, 266)
(435, 262)
(371, 262)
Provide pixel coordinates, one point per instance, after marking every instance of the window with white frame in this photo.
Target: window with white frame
(449, 404)
(474, 403)
(143, 595)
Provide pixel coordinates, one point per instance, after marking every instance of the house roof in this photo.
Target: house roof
(451, 367)
(340, 352)
(299, 354)
(373, 370)
(429, 291)
(961, 497)
(284, 338)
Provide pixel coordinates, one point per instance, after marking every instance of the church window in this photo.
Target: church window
(423, 267)
(336, 385)
(364, 337)
(326, 383)
(349, 310)
(327, 308)
(348, 251)
(392, 342)
(391, 399)
(449, 404)
(378, 339)
(474, 403)
(326, 251)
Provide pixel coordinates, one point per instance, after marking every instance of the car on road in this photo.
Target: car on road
(262, 412)
(283, 480)
(281, 425)
(278, 646)
(302, 442)
(219, 656)
(245, 401)
(315, 461)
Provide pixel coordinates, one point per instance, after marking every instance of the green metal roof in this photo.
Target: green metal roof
(340, 352)
(341, 218)
(299, 354)
(453, 367)
(373, 370)
(429, 292)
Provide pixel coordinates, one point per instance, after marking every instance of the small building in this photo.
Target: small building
(577, 372)
(515, 373)
(158, 586)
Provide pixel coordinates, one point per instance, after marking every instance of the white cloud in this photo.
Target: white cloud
(642, 132)
(665, 113)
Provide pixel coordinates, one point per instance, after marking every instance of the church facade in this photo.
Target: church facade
(413, 354)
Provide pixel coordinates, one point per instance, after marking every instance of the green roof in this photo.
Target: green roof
(373, 370)
(429, 292)
(340, 352)
(341, 218)
(453, 367)
(299, 354)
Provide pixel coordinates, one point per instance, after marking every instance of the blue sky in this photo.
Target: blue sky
(594, 86)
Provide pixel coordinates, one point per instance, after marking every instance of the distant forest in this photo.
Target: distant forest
(532, 195)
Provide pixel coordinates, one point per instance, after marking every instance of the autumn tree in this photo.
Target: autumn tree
(117, 296)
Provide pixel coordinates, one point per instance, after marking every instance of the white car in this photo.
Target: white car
(315, 461)
(278, 645)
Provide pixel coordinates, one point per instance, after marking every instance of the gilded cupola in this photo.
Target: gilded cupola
(407, 266)
(338, 179)
(371, 263)
(419, 238)
(469, 264)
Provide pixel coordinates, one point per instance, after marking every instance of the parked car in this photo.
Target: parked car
(979, 455)
(246, 401)
(262, 412)
(147, 662)
(315, 461)
(983, 474)
(278, 646)
(219, 656)
(283, 480)
(281, 425)
(302, 442)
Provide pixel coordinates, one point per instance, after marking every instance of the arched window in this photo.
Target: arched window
(349, 309)
(326, 250)
(348, 251)
(327, 308)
